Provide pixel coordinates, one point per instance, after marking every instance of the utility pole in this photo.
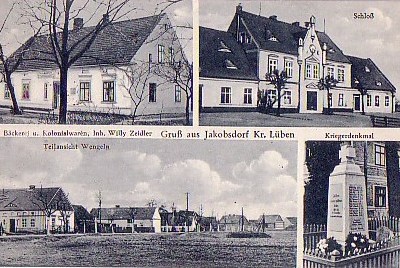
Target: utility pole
(187, 201)
(242, 229)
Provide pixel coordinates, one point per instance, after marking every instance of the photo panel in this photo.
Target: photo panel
(298, 63)
(148, 202)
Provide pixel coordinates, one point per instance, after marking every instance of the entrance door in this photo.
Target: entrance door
(357, 105)
(12, 226)
(56, 95)
(312, 100)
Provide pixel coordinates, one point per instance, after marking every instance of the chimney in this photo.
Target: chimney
(239, 9)
(117, 206)
(296, 23)
(273, 17)
(106, 18)
(31, 187)
(78, 23)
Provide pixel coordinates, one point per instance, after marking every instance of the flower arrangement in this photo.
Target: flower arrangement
(326, 246)
(356, 243)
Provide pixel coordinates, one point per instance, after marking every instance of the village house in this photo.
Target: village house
(180, 221)
(125, 71)
(234, 223)
(127, 219)
(84, 221)
(234, 64)
(33, 210)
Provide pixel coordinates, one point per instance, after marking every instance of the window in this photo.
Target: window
(171, 55)
(369, 100)
(109, 91)
(25, 91)
(387, 101)
(226, 95)
(161, 53)
(312, 70)
(380, 196)
(272, 65)
(247, 96)
(287, 97)
(150, 60)
(340, 75)
(341, 100)
(178, 93)
(7, 94)
(229, 64)
(315, 71)
(45, 91)
(53, 222)
(24, 223)
(379, 155)
(331, 71)
(377, 101)
(152, 92)
(242, 37)
(289, 68)
(271, 93)
(84, 91)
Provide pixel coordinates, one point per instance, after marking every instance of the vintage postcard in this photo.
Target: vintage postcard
(298, 63)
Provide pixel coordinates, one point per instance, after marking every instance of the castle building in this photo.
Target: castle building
(234, 65)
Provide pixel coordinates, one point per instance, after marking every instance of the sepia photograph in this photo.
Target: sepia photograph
(96, 62)
(299, 63)
(148, 203)
(351, 204)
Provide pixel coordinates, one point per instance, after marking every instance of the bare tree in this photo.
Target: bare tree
(278, 80)
(10, 64)
(49, 201)
(138, 75)
(66, 48)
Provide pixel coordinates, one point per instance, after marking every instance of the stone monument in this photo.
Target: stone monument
(347, 202)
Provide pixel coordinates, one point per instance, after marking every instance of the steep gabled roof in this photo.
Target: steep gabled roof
(125, 213)
(218, 50)
(232, 219)
(81, 213)
(369, 75)
(287, 35)
(116, 44)
(33, 199)
(270, 218)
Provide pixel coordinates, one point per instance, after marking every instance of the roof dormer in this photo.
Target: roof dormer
(230, 65)
(223, 47)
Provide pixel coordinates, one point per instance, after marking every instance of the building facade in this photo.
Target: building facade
(33, 210)
(125, 71)
(234, 67)
(127, 219)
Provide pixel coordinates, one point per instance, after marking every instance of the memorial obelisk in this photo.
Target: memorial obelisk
(347, 202)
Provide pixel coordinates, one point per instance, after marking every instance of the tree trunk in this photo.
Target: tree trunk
(63, 95)
(187, 110)
(11, 88)
(278, 111)
(48, 225)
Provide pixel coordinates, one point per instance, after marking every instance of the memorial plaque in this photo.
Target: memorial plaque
(336, 207)
(356, 208)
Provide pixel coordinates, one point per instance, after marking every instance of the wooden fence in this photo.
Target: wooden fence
(384, 121)
(385, 253)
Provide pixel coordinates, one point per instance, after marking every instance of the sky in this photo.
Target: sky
(220, 176)
(378, 39)
(180, 14)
